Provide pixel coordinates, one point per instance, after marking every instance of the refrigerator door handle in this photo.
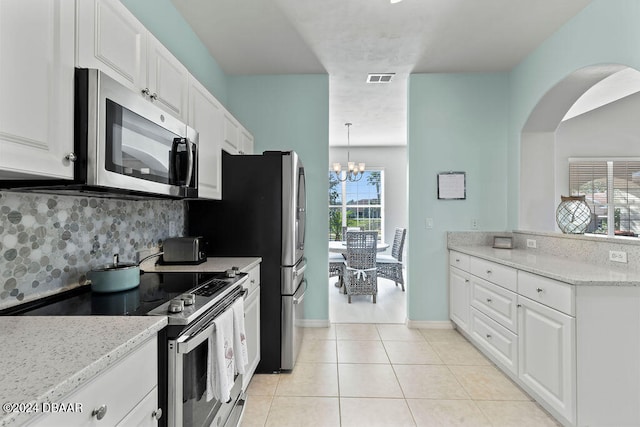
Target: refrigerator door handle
(298, 300)
(299, 271)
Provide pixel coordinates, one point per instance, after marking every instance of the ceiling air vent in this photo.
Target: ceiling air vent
(380, 77)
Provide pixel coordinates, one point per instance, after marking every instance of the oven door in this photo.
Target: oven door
(187, 384)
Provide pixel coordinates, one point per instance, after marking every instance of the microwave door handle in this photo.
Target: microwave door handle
(175, 176)
(189, 162)
(187, 344)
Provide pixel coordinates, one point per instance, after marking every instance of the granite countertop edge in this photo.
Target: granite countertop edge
(212, 264)
(566, 270)
(85, 374)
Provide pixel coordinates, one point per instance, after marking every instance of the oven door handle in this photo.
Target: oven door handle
(186, 344)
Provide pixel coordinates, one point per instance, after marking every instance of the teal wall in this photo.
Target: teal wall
(605, 32)
(291, 112)
(167, 25)
(474, 122)
(457, 122)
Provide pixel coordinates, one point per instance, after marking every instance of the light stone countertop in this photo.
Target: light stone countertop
(45, 358)
(563, 269)
(210, 265)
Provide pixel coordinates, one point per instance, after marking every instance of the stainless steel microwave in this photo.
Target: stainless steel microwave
(132, 144)
(124, 146)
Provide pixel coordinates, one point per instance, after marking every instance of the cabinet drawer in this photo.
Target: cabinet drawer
(496, 302)
(253, 281)
(494, 273)
(461, 261)
(498, 341)
(144, 414)
(119, 388)
(549, 292)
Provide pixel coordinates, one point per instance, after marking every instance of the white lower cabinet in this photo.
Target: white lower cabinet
(459, 285)
(547, 355)
(124, 394)
(252, 323)
(525, 323)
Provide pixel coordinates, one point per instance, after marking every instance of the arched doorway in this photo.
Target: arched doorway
(589, 95)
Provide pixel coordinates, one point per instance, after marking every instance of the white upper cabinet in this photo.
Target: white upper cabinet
(36, 83)
(246, 142)
(237, 140)
(168, 81)
(110, 38)
(206, 115)
(231, 142)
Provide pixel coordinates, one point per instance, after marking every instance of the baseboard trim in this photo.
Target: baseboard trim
(314, 323)
(429, 324)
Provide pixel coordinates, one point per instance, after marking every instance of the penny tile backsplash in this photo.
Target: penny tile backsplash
(48, 243)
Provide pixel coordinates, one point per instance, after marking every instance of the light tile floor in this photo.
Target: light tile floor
(391, 305)
(389, 375)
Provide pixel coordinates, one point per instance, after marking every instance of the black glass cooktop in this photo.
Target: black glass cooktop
(154, 290)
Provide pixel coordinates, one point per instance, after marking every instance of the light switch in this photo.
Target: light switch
(429, 223)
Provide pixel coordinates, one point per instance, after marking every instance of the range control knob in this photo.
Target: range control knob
(230, 273)
(176, 306)
(189, 299)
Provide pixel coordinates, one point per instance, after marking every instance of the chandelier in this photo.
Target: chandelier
(354, 172)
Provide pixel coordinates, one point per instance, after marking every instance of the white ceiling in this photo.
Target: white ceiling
(350, 38)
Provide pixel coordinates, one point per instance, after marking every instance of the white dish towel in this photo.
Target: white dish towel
(221, 361)
(239, 336)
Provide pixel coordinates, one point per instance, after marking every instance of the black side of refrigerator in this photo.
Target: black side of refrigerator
(248, 222)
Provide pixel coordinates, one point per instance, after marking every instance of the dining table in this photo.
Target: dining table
(340, 247)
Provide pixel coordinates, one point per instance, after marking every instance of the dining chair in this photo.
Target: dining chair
(390, 266)
(360, 272)
(345, 229)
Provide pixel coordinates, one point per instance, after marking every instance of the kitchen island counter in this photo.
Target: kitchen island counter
(566, 270)
(43, 358)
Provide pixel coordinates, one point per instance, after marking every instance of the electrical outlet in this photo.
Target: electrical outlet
(474, 223)
(531, 243)
(618, 256)
(429, 223)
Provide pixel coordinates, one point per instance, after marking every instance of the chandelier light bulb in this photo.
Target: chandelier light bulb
(354, 171)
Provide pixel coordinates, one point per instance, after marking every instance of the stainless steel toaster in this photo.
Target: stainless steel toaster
(183, 250)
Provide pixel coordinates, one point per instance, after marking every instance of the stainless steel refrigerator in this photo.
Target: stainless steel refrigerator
(262, 213)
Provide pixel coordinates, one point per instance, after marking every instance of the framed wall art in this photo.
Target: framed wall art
(452, 186)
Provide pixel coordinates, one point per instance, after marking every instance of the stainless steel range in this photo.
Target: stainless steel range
(191, 301)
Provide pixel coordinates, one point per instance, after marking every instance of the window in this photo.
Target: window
(356, 204)
(612, 190)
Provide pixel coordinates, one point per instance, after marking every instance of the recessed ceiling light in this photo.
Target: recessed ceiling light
(395, 1)
(380, 77)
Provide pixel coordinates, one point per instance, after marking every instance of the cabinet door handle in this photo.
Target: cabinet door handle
(519, 305)
(100, 412)
(540, 290)
(146, 91)
(466, 280)
(489, 271)
(488, 299)
(157, 414)
(457, 259)
(489, 336)
(154, 96)
(71, 157)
